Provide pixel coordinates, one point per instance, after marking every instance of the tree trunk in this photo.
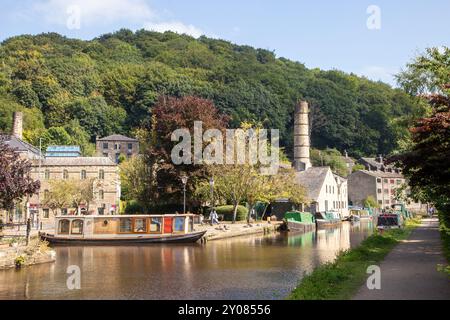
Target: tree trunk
(235, 209)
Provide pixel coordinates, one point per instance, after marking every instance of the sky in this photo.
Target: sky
(375, 38)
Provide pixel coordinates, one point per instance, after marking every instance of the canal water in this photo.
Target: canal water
(254, 267)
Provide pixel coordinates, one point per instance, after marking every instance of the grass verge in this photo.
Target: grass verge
(341, 279)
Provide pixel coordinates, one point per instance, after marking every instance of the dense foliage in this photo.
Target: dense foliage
(110, 84)
(15, 181)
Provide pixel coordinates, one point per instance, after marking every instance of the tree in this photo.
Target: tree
(83, 192)
(371, 202)
(132, 179)
(168, 115)
(60, 195)
(15, 180)
(329, 157)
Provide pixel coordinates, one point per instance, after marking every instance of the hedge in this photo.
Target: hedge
(227, 212)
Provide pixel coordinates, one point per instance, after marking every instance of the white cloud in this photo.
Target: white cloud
(94, 12)
(174, 26)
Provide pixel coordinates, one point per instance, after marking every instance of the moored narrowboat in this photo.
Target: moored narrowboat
(300, 221)
(328, 219)
(123, 229)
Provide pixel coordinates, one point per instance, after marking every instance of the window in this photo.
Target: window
(101, 194)
(379, 191)
(64, 212)
(101, 174)
(101, 211)
(46, 194)
(83, 174)
(380, 202)
(65, 174)
(77, 227)
(46, 213)
(47, 174)
(125, 225)
(386, 191)
(178, 224)
(379, 180)
(155, 225)
(117, 146)
(63, 227)
(333, 189)
(392, 181)
(105, 155)
(399, 182)
(105, 145)
(140, 225)
(385, 180)
(130, 146)
(387, 201)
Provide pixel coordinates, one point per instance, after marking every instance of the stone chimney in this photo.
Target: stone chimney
(17, 129)
(380, 158)
(301, 137)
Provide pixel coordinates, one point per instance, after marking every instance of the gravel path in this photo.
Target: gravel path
(409, 271)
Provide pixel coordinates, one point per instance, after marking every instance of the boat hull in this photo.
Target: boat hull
(300, 227)
(327, 223)
(182, 238)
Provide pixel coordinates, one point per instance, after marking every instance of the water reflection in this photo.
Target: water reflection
(256, 267)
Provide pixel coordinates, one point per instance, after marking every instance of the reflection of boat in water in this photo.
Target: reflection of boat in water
(300, 221)
(328, 219)
(117, 230)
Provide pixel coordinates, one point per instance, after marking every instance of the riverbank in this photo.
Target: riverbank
(229, 230)
(19, 255)
(340, 279)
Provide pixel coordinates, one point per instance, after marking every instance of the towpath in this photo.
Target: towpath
(409, 271)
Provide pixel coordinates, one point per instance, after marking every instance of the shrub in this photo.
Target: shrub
(134, 207)
(227, 212)
(19, 261)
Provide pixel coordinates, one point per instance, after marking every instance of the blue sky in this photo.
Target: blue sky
(321, 34)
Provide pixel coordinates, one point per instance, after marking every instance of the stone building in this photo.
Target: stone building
(381, 185)
(64, 162)
(115, 145)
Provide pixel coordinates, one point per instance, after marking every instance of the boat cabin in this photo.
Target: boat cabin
(123, 225)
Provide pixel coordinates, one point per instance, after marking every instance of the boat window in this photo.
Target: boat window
(155, 225)
(64, 227)
(77, 227)
(140, 225)
(125, 225)
(178, 224)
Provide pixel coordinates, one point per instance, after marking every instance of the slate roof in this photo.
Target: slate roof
(118, 137)
(313, 180)
(78, 161)
(383, 174)
(374, 163)
(19, 145)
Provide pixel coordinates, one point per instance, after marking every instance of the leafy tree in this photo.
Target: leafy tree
(15, 181)
(60, 195)
(330, 157)
(371, 202)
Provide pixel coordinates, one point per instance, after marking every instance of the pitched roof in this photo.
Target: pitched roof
(383, 174)
(313, 180)
(19, 145)
(374, 163)
(117, 137)
(78, 161)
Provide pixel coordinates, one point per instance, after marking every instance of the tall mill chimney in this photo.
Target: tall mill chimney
(301, 137)
(17, 129)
